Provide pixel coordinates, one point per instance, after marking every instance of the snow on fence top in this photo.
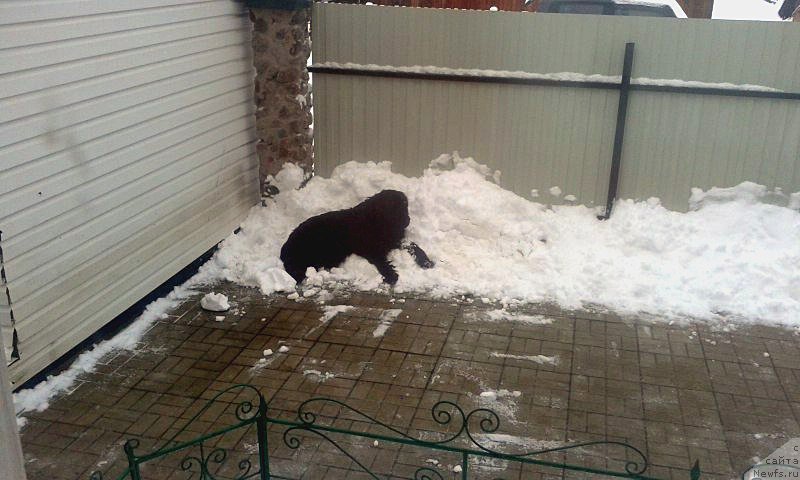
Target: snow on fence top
(558, 76)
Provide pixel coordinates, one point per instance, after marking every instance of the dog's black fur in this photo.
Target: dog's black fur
(371, 230)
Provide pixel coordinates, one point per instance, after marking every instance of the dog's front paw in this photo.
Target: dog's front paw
(419, 255)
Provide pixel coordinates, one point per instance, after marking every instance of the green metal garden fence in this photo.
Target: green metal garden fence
(203, 461)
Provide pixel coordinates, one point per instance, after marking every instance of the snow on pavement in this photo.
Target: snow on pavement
(330, 311)
(732, 254)
(502, 314)
(540, 359)
(38, 397)
(386, 319)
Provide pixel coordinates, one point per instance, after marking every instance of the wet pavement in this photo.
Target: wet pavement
(678, 393)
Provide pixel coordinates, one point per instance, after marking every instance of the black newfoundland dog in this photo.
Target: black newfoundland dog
(371, 230)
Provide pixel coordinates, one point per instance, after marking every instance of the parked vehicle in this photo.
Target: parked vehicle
(646, 8)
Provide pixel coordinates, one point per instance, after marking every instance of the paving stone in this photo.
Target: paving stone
(678, 393)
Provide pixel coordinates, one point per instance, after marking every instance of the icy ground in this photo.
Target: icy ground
(732, 256)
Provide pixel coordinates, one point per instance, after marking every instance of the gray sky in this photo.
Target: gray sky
(746, 9)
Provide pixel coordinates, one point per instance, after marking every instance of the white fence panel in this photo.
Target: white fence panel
(543, 136)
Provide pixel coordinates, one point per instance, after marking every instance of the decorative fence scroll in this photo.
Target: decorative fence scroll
(203, 459)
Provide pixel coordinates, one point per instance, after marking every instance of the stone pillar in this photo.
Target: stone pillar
(281, 48)
(12, 464)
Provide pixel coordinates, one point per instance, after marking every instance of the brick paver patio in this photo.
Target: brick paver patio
(677, 392)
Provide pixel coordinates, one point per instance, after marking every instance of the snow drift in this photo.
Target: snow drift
(734, 254)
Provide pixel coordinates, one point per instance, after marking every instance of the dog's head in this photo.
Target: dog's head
(388, 209)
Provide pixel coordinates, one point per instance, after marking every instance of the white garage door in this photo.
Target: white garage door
(126, 150)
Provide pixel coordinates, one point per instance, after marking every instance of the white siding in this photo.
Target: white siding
(126, 151)
(555, 136)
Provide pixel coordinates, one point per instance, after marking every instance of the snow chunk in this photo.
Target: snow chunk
(215, 302)
(283, 349)
(555, 191)
(268, 352)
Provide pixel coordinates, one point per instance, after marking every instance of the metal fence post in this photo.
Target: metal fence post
(619, 135)
(263, 447)
(133, 464)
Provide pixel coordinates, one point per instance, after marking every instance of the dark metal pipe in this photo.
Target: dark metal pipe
(619, 135)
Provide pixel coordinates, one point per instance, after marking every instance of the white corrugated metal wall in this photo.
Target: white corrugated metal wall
(126, 151)
(541, 137)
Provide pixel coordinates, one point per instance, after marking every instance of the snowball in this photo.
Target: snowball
(283, 349)
(215, 302)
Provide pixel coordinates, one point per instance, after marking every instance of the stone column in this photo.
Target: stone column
(281, 48)
(12, 464)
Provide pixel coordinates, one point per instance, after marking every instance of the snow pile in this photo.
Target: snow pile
(38, 397)
(215, 302)
(733, 254)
